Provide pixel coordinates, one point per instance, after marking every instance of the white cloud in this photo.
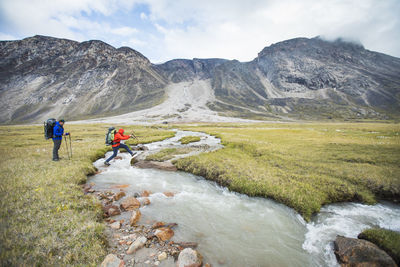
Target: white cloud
(208, 28)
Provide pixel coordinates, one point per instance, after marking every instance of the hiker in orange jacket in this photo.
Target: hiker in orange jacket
(116, 145)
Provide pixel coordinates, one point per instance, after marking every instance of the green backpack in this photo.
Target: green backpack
(110, 136)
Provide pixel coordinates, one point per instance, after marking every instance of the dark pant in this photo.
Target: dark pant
(115, 150)
(56, 147)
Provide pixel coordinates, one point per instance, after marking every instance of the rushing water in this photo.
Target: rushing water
(236, 230)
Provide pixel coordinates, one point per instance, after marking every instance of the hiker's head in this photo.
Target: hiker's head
(62, 121)
(121, 131)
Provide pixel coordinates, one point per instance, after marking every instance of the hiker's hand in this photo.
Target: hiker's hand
(67, 134)
(130, 136)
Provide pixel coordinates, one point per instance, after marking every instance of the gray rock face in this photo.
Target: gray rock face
(357, 252)
(301, 78)
(43, 76)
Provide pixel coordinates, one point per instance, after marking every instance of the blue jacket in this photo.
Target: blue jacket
(58, 131)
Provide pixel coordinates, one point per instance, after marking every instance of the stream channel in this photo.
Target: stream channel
(233, 229)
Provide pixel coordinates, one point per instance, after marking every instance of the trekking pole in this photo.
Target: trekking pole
(70, 144)
(135, 136)
(66, 145)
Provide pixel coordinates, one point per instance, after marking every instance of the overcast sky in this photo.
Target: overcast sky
(232, 29)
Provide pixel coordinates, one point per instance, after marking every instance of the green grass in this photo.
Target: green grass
(387, 240)
(45, 219)
(304, 165)
(167, 154)
(189, 139)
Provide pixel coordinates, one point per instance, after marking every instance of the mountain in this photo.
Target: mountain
(299, 78)
(44, 76)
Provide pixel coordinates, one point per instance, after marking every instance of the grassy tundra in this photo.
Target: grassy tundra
(45, 219)
(189, 139)
(304, 165)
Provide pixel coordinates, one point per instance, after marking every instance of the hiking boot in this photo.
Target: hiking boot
(107, 163)
(133, 154)
(56, 159)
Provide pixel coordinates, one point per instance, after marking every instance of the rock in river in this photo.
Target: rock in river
(135, 217)
(119, 195)
(130, 203)
(112, 261)
(164, 233)
(189, 257)
(111, 210)
(357, 252)
(137, 244)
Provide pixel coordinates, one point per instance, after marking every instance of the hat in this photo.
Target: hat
(62, 120)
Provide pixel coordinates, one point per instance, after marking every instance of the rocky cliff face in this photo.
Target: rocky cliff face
(299, 78)
(44, 76)
(313, 78)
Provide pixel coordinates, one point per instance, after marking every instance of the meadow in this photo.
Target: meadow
(304, 165)
(45, 218)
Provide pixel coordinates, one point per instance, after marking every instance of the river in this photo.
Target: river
(236, 230)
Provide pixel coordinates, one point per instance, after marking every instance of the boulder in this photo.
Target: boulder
(130, 203)
(145, 201)
(119, 195)
(115, 225)
(164, 233)
(118, 158)
(166, 165)
(163, 224)
(169, 194)
(189, 258)
(162, 256)
(137, 244)
(112, 260)
(135, 217)
(111, 210)
(145, 193)
(357, 252)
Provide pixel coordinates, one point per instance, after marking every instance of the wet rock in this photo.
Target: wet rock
(119, 195)
(112, 260)
(169, 194)
(137, 244)
(166, 165)
(145, 193)
(134, 161)
(130, 203)
(115, 225)
(111, 210)
(119, 186)
(164, 233)
(145, 201)
(207, 265)
(141, 148)
(357, 252)
(135, 217)
(189, 258)
(162, 256)
(118, 158)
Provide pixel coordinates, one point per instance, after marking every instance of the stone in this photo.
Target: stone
(162, 256)
(119, 195)
(166, 165)
(169, 194)
(118, 158)
(145, 201)
(111, 210)
(136, 245)
(115, 225)
(162, 224)
(135, 217)
(358, 252)
(130, 203)
(189, 258)
(112, 260)
(164, 233)
(146, 193)
(157, 263)
(207, 265)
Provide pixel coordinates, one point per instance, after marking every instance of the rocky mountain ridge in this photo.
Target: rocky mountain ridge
(297, 79)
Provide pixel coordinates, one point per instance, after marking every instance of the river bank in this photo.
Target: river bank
(235, 229)
(45, 219)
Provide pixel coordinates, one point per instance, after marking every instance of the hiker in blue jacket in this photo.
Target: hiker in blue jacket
(58, 133)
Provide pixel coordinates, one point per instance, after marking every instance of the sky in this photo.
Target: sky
(232, 29)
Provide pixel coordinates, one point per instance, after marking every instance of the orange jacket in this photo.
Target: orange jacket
(118, 137)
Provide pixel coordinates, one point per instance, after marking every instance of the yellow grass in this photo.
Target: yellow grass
(45, 219)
